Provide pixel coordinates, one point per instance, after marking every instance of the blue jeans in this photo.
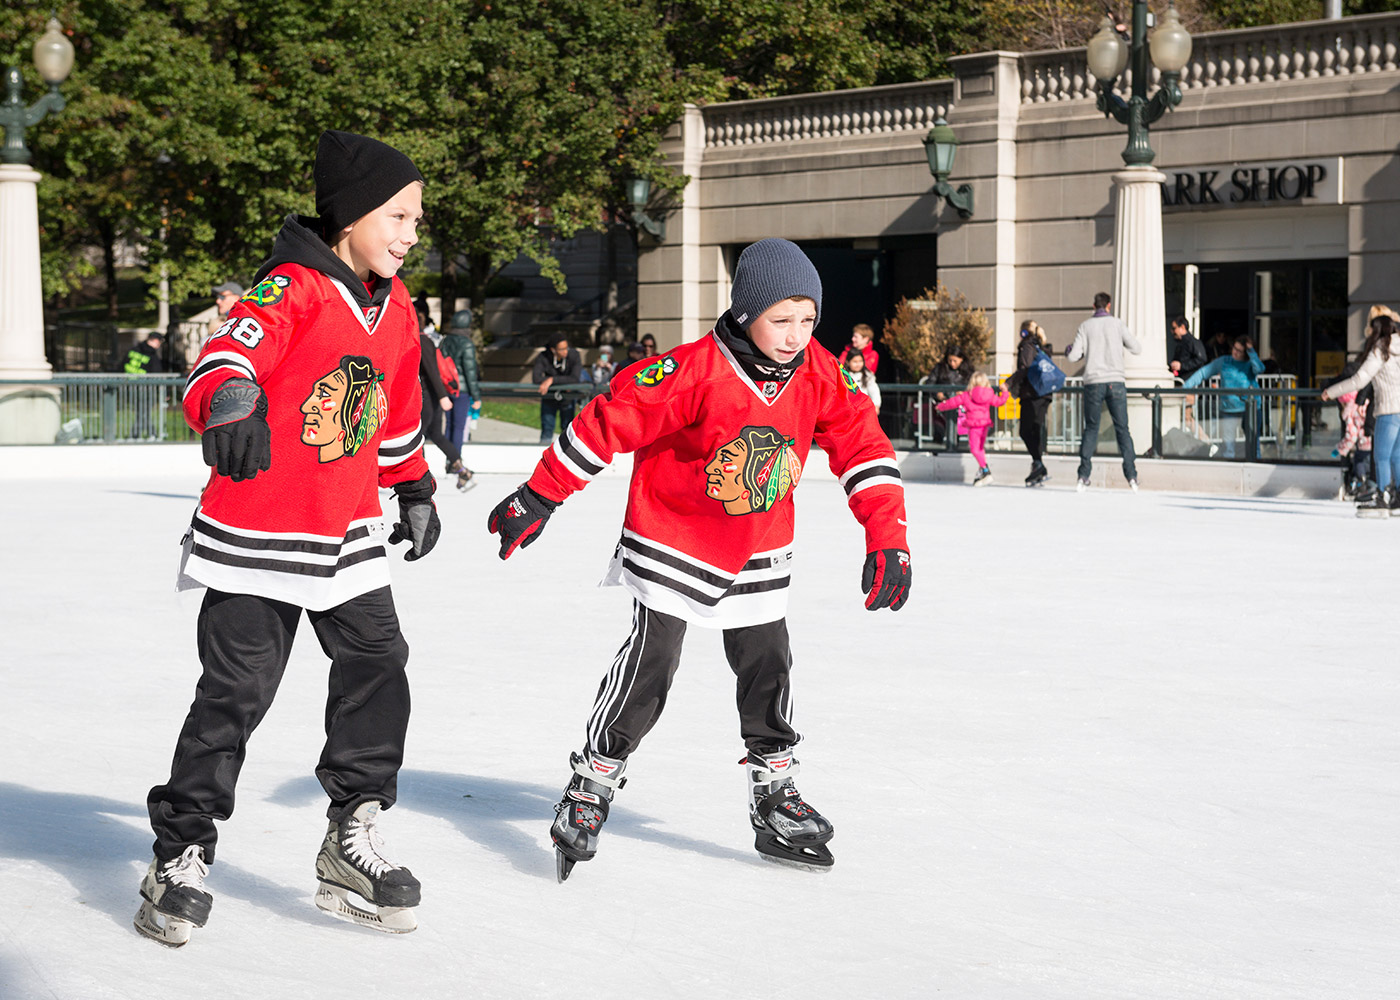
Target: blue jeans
(549, 407)
(1115, 395)
(1387, 456)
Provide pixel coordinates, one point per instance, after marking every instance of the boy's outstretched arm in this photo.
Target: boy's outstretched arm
(623, 419)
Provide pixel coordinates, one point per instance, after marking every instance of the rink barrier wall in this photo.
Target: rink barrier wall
(21, 463)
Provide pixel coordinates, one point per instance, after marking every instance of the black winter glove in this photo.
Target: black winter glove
(236, 439)
(519, 519)
(418, 518)
(886, 579)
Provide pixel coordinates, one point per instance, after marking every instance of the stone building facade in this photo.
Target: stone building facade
(1281, 201)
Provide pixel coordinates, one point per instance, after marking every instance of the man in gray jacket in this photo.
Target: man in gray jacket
(1100, 341)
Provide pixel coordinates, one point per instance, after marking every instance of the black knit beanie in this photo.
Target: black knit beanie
(769, 271)
(354, 176)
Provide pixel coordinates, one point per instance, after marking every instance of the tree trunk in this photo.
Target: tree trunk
(480, 272)
(109, 265)
(447, 287)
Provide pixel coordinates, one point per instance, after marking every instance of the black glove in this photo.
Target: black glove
(519, 519)
(236, 439)
(886, 579)
(418, 518)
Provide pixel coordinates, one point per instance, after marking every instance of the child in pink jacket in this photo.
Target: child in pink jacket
(976, 403)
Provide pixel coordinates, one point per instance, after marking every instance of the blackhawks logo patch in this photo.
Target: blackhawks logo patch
(653, 373)
(847, 377)
(345, 409)
(268, 292)
(753, 472)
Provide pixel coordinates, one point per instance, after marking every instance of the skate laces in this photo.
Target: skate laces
(364, 845)
(188, 869)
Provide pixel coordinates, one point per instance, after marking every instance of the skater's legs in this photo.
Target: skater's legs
(368, 702)
(434, 423)
(461, 413)
(1033, 427)
(1383, 445)
(1093, 411)
(632, 694)
(243, 642)
(761, 660)
(1117, 399)
(977, 442)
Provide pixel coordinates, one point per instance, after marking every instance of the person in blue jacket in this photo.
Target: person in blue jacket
(1236, 370)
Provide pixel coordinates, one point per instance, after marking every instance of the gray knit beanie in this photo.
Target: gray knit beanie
(769, 271)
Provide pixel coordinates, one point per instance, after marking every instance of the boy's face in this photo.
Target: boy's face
(860, 340)
(783, 330)
(378, 241)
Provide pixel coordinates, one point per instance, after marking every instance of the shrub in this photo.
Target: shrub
(923, 329)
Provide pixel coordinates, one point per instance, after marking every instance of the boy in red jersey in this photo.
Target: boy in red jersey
(721, 429)
(307, 403)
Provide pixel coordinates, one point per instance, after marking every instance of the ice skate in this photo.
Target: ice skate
(173, 900)
(983, 477)
(464, 475)
(352, 861)
(583, 809)
(1377, 505)
(785, 827)
(1038, 475)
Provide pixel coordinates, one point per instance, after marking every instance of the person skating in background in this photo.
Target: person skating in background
(1354, 449)
(1034, 406)
(1100, 341)
(557, 365)
(720, 429)
(439, 402)
(1380, 365)
(457, 344)
(865, 377)
(976, 403)
(1237, 370)
(1188, 356)
(306, 400)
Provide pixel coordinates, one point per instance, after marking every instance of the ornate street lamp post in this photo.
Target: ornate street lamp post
(28, 414)
(1139, 297)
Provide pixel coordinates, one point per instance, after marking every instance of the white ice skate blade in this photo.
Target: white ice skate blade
(335, 900)
(157, 926)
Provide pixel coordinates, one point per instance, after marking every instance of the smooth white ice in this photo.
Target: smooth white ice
(1115, 746)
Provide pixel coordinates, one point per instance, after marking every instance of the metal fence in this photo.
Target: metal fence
(1274, 423)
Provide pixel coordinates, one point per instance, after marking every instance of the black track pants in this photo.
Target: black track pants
(633, 693)
(244, 642)
(1033, 426)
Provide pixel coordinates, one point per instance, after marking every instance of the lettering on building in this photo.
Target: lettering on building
(1278, 183)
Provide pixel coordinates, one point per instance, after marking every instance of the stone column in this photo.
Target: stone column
(1139, 298)
(29, 414)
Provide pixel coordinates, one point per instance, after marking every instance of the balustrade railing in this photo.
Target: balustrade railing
(1300, 51)
(908, 107)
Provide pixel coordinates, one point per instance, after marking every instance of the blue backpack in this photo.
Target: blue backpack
(1044, 375)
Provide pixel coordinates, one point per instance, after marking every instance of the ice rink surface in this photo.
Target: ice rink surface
(1115, 746)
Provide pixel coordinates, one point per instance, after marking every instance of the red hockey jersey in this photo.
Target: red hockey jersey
(708, 532)
(343, 406)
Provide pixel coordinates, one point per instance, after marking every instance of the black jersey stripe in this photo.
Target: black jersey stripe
(210, 366)
(403, 449)
(887, 471)
(675, 562)
(279, 544)
(737, 590)
(577, 457)
(281, 566)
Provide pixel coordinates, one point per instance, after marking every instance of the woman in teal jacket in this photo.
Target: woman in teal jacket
(1236, 371)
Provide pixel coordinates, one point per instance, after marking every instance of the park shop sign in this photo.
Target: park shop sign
(1242, 185)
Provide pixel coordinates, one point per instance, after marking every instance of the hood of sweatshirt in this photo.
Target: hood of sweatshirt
(982, 394)
(299, 242)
